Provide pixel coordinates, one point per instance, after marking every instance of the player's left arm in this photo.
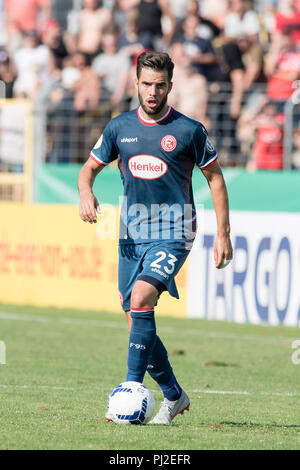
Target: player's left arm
(215, 179)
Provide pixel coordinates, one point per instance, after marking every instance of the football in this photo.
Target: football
(225, 263)
(131, 403)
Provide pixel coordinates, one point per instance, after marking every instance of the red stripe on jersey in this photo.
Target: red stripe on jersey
(97, 161)
(210, 163)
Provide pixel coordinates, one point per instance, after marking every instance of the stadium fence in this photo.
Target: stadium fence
(47, 132)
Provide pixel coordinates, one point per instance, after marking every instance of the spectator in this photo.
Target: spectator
(192, 8)
(267, 16)
(214, 10)
(231, 71)
(152, 34)
(287, 21)
(282, 69)
(129, 42)
(199, 51)
(254, 79)
(7, 74)
(121, 10)
(227, 94)
(52, 37)
(192, 99)
(267, 128)
(206, 29)
(62, 127)
(113, 69)
(179, 9)
(253, 60)
(85, 84)
(241, 20)
(23, 16)
(92, 20)
(31, 62)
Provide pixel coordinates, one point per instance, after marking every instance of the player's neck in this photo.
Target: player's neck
(154, 117)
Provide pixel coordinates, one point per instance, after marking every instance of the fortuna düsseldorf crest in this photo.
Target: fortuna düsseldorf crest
(169, 143)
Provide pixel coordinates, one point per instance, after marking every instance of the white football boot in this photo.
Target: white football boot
(108, 416)
(169, 409)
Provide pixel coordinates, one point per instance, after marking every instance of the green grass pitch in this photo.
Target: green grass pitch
(62, 364)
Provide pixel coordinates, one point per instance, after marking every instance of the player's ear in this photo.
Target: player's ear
(170, 87)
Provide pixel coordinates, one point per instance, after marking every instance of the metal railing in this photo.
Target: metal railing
(63, 135)
(70, 135)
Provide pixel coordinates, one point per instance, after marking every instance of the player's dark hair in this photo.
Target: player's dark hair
(158, 61)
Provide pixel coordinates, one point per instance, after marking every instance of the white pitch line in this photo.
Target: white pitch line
(39, 387)
(207, 392)
(63, 320)
(235, 392)
(117, 325)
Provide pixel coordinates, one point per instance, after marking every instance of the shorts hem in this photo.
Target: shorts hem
(160, 286)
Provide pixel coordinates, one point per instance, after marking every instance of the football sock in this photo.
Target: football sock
(141, 341)
(172, 391)
(161, 371)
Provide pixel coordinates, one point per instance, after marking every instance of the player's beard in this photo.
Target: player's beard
(152, 112)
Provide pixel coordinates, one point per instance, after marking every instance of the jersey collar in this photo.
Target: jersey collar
(153, 123)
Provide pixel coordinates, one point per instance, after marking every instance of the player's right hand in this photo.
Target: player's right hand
(89, 207)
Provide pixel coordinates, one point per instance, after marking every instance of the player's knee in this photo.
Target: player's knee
(143, 295)
(142, 300)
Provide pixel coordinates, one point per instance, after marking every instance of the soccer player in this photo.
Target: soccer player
(157, 149)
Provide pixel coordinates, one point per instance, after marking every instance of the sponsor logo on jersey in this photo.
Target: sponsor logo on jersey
(147, 167)
(129, 139)
(169, 143)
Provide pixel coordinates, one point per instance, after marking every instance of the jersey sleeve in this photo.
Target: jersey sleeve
(203, 150)
(105, 150)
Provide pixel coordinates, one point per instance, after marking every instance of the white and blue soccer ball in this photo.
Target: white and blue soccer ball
(131, 403)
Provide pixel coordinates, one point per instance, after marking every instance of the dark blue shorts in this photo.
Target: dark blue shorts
(156, 263)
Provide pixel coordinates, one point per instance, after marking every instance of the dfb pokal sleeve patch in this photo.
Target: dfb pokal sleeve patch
(209, 146)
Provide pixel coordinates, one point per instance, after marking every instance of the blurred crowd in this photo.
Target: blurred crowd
(237, 65)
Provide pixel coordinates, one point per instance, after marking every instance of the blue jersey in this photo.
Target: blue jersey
(156, 161)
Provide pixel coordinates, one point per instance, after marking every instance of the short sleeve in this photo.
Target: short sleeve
(105, 150)
(204, 151)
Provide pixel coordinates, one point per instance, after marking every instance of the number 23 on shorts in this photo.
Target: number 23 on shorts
(162, 257)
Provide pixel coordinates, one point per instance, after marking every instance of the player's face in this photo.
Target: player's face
(153, 90)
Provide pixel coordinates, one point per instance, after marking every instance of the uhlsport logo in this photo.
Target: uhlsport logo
(147, 167)
(129, 140)
(169, 143)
